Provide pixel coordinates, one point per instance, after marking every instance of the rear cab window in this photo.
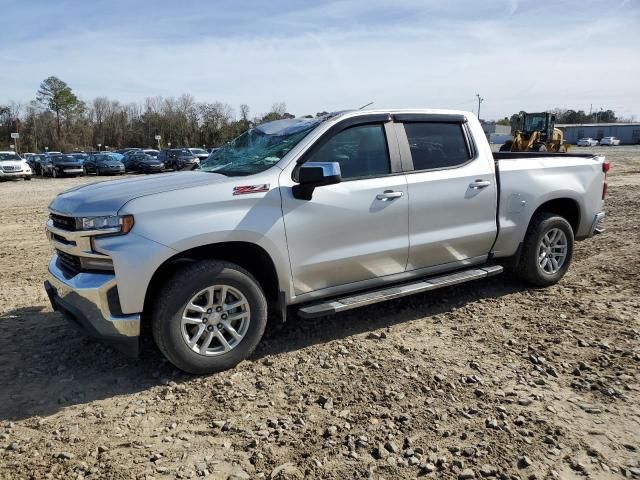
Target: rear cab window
(437, 145)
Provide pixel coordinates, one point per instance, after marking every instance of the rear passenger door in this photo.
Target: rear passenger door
(452, 192)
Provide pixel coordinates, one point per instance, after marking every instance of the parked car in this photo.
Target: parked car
(126, 158)
(59, 165)
(199, 153)
(610, 141)
(142, 163)
(103, 164)
(27, 157)
(34, 160)
(177, 158)
(321, 215)
(587, 142)
(13, 166)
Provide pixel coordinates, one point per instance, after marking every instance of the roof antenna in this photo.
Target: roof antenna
(364, 106)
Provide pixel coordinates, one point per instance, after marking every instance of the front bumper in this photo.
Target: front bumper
(14, 174)
(70, 171)
(89, 301)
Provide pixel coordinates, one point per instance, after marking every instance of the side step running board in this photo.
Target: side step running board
(367, 298)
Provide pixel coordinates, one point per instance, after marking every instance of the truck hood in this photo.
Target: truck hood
(106, 198)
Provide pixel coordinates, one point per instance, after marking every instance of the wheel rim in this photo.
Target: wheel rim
(552, 251)
(215, 320)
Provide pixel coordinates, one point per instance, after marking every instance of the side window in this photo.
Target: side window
(361, 152)
(437, 145)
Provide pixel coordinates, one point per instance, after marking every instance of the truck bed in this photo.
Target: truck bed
(529, 179)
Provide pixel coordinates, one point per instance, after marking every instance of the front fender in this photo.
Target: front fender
(210, 214)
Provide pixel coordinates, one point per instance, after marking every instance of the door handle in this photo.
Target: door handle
(478, 184)
(389, 195)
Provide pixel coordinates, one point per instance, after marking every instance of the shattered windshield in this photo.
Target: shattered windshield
(259, 148)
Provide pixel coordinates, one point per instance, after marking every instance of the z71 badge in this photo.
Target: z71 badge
(247, 189)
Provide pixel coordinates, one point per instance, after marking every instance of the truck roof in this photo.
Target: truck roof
(375, 111)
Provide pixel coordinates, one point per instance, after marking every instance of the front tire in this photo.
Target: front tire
(209, 317)
(547, 250)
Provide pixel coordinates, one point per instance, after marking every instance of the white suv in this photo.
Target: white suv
(13, 166)
(587, 142)
(610, 141)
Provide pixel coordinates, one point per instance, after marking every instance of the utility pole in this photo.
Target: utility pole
(480, 100)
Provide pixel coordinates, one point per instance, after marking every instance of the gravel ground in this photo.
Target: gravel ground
(488, 379)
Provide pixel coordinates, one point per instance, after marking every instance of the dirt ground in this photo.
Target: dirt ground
(488, 379)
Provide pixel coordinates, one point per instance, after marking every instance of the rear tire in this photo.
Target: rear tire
(200, 285)
(539, 263)
(506, 147)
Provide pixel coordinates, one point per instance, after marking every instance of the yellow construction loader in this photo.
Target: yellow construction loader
(535, 132)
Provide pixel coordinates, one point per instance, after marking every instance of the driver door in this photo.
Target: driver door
(355, 230)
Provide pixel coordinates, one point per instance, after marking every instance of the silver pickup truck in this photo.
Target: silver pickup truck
(317, 215)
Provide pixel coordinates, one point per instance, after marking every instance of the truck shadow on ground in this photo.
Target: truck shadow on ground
(49, 365)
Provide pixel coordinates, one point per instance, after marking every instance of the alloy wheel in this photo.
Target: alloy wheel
(552, 251)
(215, 320)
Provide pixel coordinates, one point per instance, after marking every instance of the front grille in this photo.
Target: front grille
(69, 264)
(11, 168)
(65, 223)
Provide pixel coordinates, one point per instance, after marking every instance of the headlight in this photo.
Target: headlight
(123, 222)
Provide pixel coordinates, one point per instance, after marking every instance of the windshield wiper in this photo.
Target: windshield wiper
(232, 173)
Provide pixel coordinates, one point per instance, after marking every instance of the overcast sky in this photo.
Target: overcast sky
(331, 55)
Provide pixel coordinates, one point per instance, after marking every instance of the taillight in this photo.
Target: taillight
(605, 186)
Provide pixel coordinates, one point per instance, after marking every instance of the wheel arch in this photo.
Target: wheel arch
(249, 256)
(566, 207)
